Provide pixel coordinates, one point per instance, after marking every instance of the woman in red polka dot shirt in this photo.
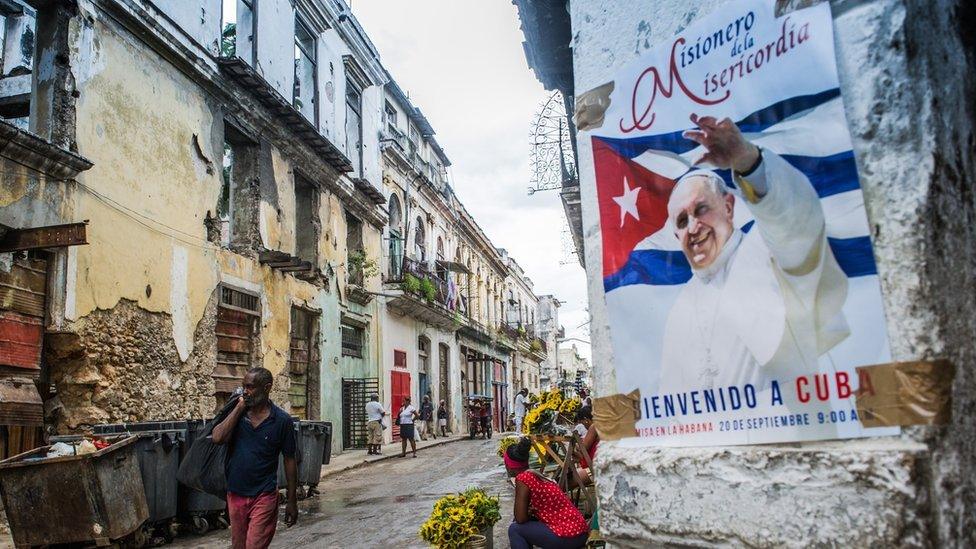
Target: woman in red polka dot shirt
(544, 516)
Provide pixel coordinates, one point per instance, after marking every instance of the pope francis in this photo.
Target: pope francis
(761, 305)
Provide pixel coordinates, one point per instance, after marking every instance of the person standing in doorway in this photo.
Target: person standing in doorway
(442, 418)
(405, 418)
(258, 432)
(427, 418)
(374, 425)
(521, 399)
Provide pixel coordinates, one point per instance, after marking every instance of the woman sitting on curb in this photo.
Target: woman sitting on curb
(544, 516)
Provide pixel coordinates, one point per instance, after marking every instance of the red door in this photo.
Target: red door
(400, 385)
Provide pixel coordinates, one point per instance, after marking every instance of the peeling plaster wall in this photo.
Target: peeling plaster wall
(906, 72)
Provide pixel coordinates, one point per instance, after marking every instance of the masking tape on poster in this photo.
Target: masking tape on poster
(905, 393)
(615, 415)
(591, 106)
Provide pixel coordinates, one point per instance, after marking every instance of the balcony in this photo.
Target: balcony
(423, 294)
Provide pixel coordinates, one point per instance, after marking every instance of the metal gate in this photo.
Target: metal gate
(355, 395)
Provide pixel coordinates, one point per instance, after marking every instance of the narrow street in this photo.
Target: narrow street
(384, 504)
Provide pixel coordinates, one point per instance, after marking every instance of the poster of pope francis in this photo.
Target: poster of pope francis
(738, 270)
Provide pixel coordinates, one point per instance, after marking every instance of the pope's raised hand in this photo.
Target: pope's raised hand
(725, 145)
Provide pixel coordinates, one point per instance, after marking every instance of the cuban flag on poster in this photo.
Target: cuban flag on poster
(740, 307)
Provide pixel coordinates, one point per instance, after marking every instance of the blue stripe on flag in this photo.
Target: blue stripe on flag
(829, 175)
(668, 268)
(755, 122)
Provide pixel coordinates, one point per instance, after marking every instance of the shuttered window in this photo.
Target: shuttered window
(238, 314)
(352, 341)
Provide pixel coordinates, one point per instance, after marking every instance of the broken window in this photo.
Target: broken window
(396, 239)
(352, 341)
(303, 365)
(237, 167)
(305, 96)
(419, 242)
(238, 315)
(306, 213)
(355, 253)
(391, 115)
(18, 24)
(237, 30)
(354, 127)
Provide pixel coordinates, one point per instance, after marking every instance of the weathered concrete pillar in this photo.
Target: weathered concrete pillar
(906, 73)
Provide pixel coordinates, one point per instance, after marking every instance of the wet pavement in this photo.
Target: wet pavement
(383, 504)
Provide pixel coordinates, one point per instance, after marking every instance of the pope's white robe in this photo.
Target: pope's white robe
(770, 304)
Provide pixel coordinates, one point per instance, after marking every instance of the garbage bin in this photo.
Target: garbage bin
(95, 497)
(158, 450)
(201, 509)
(313, 441)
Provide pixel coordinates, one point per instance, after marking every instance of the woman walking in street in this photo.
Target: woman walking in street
(405, 419)
(442, 418)
(544, 516)
(426, 425)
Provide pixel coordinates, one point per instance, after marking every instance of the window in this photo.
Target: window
(355, 254)
(396, 239)
(441, 271)
(18, 26)
(237, 331)
(391, 114)
(419, 244)
(306, 213)
(224, 202)
(305, 96)
(237, 34)
(237, 165)
(352, 341)
(354, 127)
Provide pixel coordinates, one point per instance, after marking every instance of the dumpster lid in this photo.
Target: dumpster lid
(20, 403)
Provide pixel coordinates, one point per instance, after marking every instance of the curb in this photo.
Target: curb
(385, 457)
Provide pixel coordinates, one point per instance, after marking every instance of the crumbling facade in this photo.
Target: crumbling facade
(906, 75)
(228, 180)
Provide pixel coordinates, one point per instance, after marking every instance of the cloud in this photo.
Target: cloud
(462, 63)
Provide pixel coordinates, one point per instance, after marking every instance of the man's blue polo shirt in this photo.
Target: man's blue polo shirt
(252, 467)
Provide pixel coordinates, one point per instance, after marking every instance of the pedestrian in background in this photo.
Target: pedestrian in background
(374, 425)
(584, 418)
(426, 418)
(442, 418)
(405, 419)
(258, 432)
(521, 399)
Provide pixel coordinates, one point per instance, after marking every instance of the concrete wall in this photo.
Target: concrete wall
(909, 100)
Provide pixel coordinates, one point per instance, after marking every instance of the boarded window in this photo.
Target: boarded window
(352, 341)
(303, 365)
(237, 330)
(22, 292)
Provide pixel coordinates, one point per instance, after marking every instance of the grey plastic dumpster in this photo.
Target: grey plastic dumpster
(158, 449)
(312, 438)
(95, 497)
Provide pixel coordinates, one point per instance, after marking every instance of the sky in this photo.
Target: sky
(461, 62)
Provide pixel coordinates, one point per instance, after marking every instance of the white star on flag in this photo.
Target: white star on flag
(627, 202)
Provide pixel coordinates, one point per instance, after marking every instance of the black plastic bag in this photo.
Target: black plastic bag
(204, 466)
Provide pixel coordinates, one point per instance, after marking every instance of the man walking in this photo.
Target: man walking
(258, 432)
(374, 425)
(520, 400)
(427, 418)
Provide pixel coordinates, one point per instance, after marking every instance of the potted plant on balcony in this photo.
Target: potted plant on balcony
(361, 268)
(428, 290)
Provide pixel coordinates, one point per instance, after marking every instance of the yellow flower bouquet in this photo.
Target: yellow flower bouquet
(542, 418)
(457, 517)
